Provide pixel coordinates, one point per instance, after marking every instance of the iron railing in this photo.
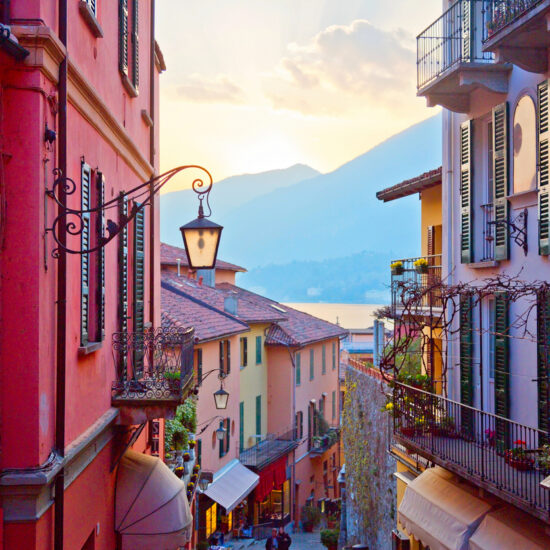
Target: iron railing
(488, 232)
(320, 444)
(493, 452)
(454, 38)
(504, 12)
(270, 448)
(417, 277)
(156, 364)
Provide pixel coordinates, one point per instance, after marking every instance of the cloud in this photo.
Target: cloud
(344, 67)
(203, 89)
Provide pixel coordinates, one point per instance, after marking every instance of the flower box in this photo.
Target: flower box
(407, 431)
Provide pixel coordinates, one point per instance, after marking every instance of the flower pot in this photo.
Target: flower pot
(522, 464)
(407, 431)
(422, 269)
(397, 270)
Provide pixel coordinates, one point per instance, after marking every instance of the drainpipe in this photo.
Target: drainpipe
(61, 321)
(152, 162)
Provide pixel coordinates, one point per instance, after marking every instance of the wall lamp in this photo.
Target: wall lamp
(221, 397)
(201, 237)
(220, 432)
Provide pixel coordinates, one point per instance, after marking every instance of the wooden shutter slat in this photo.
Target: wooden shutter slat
(543, 167)
(466, 359)
(135, 44)
(502, 369)
(466, 238)
(123, 36)
(85, 179)
(543, 360)
(139, 286)
(228, 356)
(101, 222)
(500, 180)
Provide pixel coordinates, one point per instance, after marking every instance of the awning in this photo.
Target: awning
(151, 508)
(272, 477)
(439, 512)
(232, 484)
(510, 529)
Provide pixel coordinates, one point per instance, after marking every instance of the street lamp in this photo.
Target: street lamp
(220, 398)
(201, 237)
(220, 433)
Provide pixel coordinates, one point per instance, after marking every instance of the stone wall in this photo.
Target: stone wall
(370, 484)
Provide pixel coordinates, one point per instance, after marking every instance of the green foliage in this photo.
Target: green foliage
(311, 514)
(177, 431)
(187, 415)
(322, 424)
(329, 537)
(168, 375)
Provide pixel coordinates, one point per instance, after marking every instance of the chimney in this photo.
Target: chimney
(179, 267)
(230, 305)
(208, 276)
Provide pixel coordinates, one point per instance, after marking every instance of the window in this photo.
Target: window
(324, 360)
(244, 351)
(298, 368)
(225, 356)
(211, 519)
(491, 337)
(300, 424)
(129, 45)
(224, 443)
(92, 266)
(333, 356)
(258, 415)
(92, 4)
(241, 426)
(258, 350)
(333, 404)
(198, 366)
(311, 364)
(525, 145)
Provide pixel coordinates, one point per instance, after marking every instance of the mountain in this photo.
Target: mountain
(327, 231)
(181, 206)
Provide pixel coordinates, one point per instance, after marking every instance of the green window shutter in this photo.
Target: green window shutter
(222, 362)
(309, 428)
(298, 368)
(139, 286)
(135, 44)
(123, 280)
(324, 360)
(222, 441)
(466, 359)
(466, 188)
(228, 356)
(543, 359)
(199, 451)
(301, 424)
(500, 180)
(333, 405)
(123, 36)
(258, 414)
(85, 180)
(467, 29)
(241, 426)
(502, 369)
(227, 434)
(199, 366)
(244, 351)
(543, 168)
(101, 224)
(333, 355)
(258, 350)
(311, 364)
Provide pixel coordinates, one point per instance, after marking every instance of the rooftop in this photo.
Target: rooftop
(411, 186)
(169, 255)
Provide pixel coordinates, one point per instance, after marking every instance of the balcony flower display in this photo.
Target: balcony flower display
(396, 268)
(543, 460)
(421, 265)
(518, 458)
(186, 457)
(444, 428)
(196, 468)
(179, 471)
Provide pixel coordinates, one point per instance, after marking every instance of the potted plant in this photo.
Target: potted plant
(194, 478)
(179, 471)
(490, 434)
(543, 460)
(196, 468)
(186, 457)
(517, 457)
(329, 538)
(421, 265)
(397, 268)
(332, 521)
(311, 516)
(172, 376)
(408, 431)
(444, 428)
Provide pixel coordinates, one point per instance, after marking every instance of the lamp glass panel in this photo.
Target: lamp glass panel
(220, 398)
(201, 245)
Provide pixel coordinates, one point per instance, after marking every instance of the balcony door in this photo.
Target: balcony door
(489, 356)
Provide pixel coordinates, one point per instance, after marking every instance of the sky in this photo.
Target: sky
(255, 85)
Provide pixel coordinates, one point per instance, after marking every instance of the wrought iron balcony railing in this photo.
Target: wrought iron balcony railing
(153, 366)
(456, 37)
(492, 452)
(502, 13)
(320, 444)
(270, 448)
(417, 277)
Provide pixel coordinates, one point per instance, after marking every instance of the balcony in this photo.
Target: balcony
(451, 63)
(269, 449)
(154, 373)
(474, 444)
(518, 32)
(321, 444)
(408, 277)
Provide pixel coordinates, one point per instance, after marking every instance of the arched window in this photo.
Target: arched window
(525, 143)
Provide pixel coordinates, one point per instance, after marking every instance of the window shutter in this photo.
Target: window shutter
(199, 366)
(466, 240)
(227, 435)
(543, 359)
(241, 426)
(222, 441)
(101, 223)
(309, 428)
(245, 351)
(123, 280)
(298, 369)
(139, 286)
(324, 360)
(311, 364)
(500, 180)
(222, 362)
(502, 382)
(123, 36)
(228, 356)
(333, 355)
(93, 6)
(543, 168)
(135, 44)
(333, 404)
(258, 414)
(258, 350)
(431, 242)
(466, 352)
(85, 180)
(467, 31)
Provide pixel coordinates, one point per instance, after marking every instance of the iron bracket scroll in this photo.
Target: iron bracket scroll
(73, 220)
(517, 228)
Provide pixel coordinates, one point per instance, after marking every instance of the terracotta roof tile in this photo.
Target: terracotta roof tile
(169, 255)
(411, 186)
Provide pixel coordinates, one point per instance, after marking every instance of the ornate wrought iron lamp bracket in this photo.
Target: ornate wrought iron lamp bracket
(517, 228)
(74, 220)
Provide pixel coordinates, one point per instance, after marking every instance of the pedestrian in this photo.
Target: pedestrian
(283, 538)
(272, 543)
